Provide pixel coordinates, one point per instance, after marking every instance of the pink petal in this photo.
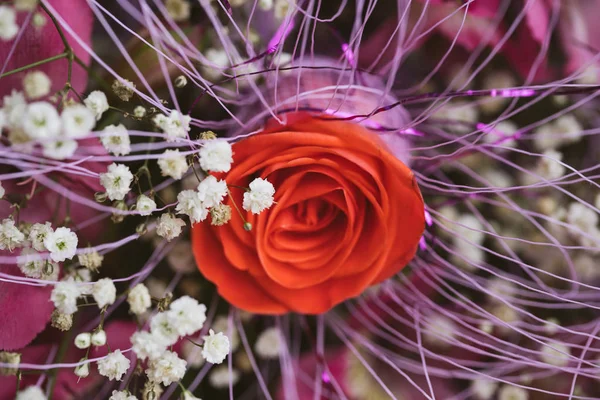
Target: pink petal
(38, 44)
(68, 386)
(24, 310)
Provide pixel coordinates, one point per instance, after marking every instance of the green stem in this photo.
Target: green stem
(63, 38)
(35, 64)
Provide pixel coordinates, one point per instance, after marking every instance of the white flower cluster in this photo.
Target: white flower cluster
(117, 181)
(114, 365)
(176, 125)
(145, 205)
(139, 299)
(466, 232)
(169, 227)
(65, 293)
(565, 130)
(259, 197)
(115, 140)
(31, 392)
(40, 121)
(97, 103)
(8, 23)
(184, 317)
(197, 203)
(173, 164)
(10, 236)
(121, 395)
(60, 243)
(216, 156)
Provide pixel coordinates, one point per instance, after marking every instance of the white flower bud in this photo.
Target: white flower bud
(99, 338)
(83, 340)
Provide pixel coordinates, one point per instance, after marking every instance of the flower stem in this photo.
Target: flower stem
(35, 64)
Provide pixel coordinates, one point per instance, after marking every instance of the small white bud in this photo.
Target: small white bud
(83, 340)
(99, 338)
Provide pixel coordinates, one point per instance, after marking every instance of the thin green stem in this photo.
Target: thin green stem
(63, 38)
(35, 64)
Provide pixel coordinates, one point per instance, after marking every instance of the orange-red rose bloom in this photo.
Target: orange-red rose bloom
(348, 215)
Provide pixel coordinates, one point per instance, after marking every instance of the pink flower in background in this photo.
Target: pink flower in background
(68, 386)
(25, 310)
(40, 43)
(485, 25)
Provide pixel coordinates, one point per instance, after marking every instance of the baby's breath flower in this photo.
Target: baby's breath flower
(169, 227)
(36, 84)
(152, 391)
(31, 263)
(10, 236)
(145, 205)
(220, 214)
(139, 299)
(39, 20)
(123, 89)
(62, 244)
(508, 392)
(166, 369)
(41, 120)
(268, 344)
(9, 358)
(555, 353)
(32, 392)
(212, 191)
(116, 181)
(8, 23)
(82, 370)
(83, 340)
(497, 80)
(216, 347)
(180, 81)
(483, 389)
(64, 296)
(175, 125)
(220, 377)
(104, 292)
(216, 156)
(121, 395)
(97, 103)
(189, 203)
(59, 149)
(99, 338)
(549, 166)
(116, 140)
(188, 315)
(265, 5)
(62, 322)
(147, 345)
(91, 260)
(37, 235)
(173, 164)
(163, 328)
(260, 196)
(179, 10)
(281, 8)
(114, 365)
(77, 121)
(439, 331)
(139, 112)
